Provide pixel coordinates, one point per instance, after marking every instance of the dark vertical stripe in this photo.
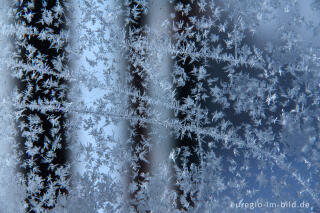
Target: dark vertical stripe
(35, 88)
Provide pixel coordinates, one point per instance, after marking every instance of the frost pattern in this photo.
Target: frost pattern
(231, 119)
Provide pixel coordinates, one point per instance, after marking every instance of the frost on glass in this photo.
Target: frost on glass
(171, 106)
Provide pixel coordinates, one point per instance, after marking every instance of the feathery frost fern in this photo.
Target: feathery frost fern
(161, 106)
